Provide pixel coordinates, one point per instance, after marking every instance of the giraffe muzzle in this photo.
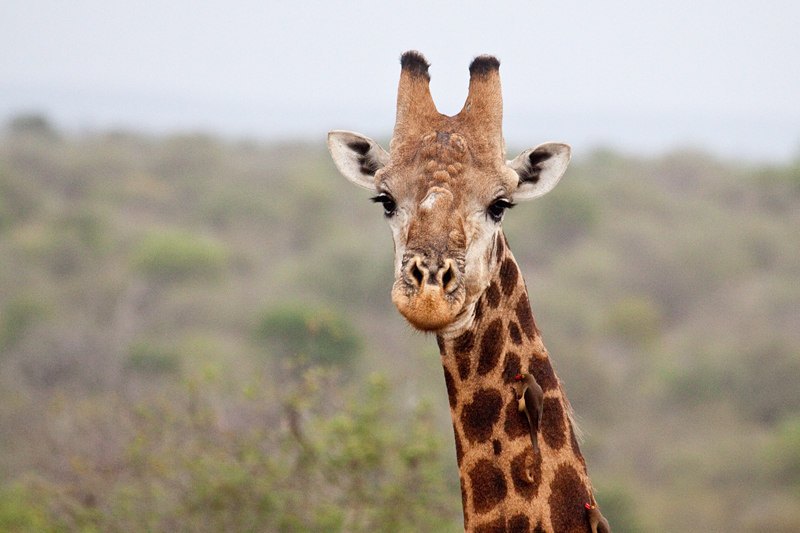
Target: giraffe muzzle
(428, 292)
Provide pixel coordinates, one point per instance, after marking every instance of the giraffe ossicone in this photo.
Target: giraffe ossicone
(445, 185)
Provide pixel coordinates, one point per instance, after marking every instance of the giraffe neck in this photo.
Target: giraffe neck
(504, 485)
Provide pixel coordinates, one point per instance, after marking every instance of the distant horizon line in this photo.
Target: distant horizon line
(766, 138)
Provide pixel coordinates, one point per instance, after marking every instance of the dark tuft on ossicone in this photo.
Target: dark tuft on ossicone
(415, 63)
(483, 65)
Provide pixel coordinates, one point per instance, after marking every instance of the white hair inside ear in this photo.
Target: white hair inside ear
(539, 169)
(357, 157)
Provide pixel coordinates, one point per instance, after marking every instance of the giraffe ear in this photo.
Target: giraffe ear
(357, 157)
(539, 169)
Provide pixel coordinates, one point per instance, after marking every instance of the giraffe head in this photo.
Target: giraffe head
(444, 186)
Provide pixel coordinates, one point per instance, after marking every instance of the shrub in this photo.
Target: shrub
(16, 317)
(175, 256)
(147, 358)
(782, 454)
(309, 335)
(18, 199)
(20, 511)
(635, 319)
(175, 463)
(569, 214)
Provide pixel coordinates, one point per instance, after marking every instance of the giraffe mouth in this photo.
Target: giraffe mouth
(429, 308)
(429, 297)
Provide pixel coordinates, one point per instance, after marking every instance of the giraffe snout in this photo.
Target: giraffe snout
(428, 292)
(420, 272)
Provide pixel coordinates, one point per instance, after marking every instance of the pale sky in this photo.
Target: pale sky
(640, 76)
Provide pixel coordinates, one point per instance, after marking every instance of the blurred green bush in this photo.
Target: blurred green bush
(149, 358)
(175, 463)
(308, 335)
(171, 255)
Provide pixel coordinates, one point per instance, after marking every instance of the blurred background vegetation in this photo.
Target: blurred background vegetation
(196, 334)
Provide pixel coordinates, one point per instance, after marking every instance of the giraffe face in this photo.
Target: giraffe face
(444, 205)
(443, 213)
(444, 188)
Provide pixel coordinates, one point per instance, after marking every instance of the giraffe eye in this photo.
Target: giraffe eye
(498, 208)
(389, 207)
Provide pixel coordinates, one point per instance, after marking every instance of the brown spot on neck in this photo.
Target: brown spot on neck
(567, 498)
(488, 486)
(479, 416)
(492, 345)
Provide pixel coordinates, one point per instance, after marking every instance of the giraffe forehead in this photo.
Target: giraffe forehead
(445, 147)
(436, 185)
(448, 159)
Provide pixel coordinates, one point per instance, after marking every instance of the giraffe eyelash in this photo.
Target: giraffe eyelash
(389, 205)
(498, 208)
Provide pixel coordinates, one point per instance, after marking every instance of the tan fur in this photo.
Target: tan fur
(427, 309)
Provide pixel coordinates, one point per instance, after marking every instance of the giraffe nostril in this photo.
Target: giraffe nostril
(417, 274)
(447, 277)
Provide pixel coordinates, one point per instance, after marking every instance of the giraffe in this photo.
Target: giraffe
(444, 186)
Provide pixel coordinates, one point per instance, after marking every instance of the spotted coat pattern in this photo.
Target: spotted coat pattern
(505, 486)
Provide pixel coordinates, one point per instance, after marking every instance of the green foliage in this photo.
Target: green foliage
(783, 453)
(16, 317)
(388, 472)
(309, 335)
(22, 512)
(635, 319)
(147, 358)
(569, 215)
(17, 200)
(694, 385)
(175, 255)
(619, 505)
(188, 156)
(767, 392)
(175, 464)
(763, 393)
(87, 226)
